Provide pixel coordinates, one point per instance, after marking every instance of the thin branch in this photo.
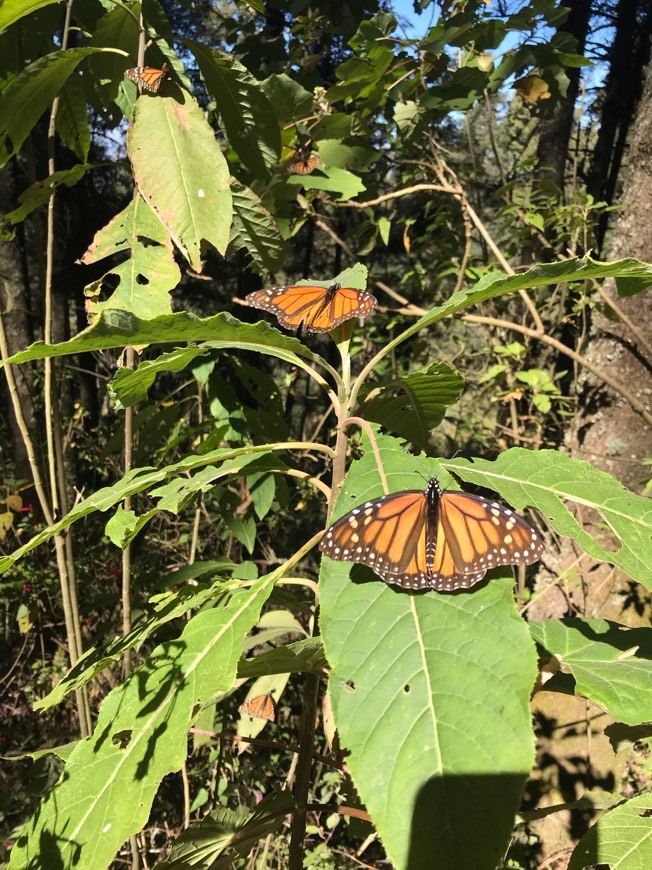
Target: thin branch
(322, 225)
(577, 357)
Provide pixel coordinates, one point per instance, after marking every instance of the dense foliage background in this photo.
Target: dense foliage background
(170, 456)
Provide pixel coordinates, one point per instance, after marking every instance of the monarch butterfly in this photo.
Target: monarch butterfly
(304, 164)
(316, 309)
(149, 78)
(261, 706)
(437, 539)
(305, 161)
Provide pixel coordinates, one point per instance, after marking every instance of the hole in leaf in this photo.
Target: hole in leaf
(349, 686)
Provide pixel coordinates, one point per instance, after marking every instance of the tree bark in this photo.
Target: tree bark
(14, 306)
(606, 431)
(555, 132)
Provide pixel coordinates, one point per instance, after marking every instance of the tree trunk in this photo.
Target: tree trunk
(607, 432)
(554, 133)
(629, 56)
(14, 307)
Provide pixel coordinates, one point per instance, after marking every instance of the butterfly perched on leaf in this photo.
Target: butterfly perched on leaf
(312, 308)
(437, 539)
(532, 89)
(260, 706)
(149, 78)
(305, 160)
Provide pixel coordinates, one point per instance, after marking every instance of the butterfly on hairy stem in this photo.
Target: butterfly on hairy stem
(315, 309)
(149, 78)
(260, 706)
(437, 539)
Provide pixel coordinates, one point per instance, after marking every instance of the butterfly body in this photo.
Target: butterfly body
(149, 78)
(436, 539)
(314, 309)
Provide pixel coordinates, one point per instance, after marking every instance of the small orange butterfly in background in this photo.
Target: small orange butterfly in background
(305, 161)
(149, 78)
(437, 539)
(315, 309)
(261, 706)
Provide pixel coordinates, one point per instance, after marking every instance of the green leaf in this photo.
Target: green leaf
(262, 489)
(39, 193)
(548, 480)
(384, 227)
(335, 180)
(611, 664)
(118, 28)
(123, 329)
(274, 684)
(430, 695)
(289, 101)
(147, 277)
(130, 386)
(621, 839)
(64, 751)
(497, 284)
(302, 656)
(167, 607)
(255, 230)
(138, 480)
(223, 838)
(32, 91)
(13, 10)
(246, 114)
(72, 118)
(110, 780)
(192, 203)
(413, 405)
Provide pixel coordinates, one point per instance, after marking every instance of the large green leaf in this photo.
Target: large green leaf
(13, 10)
(139, 480)
(305, 655)
(611, 664)
(288, 99)
(620, 840)
(549, 480)
(332, 179)
(147, 277)
(185, 178)
(118, 28)
(117, 328)
(255, 230)
(72, 121)
(167, 607)
(413, 405)
(107, 787)
(430, 696)
(245, 111)
(224, 838)
(29, 95)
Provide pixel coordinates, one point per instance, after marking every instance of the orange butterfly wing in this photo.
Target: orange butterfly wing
(388, 534)
(149, 78)
(483, 534)
(433, 540)
(304, 164)
(318, 309)
(261, 706)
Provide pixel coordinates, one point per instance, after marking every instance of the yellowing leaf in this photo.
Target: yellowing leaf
(532, 89)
